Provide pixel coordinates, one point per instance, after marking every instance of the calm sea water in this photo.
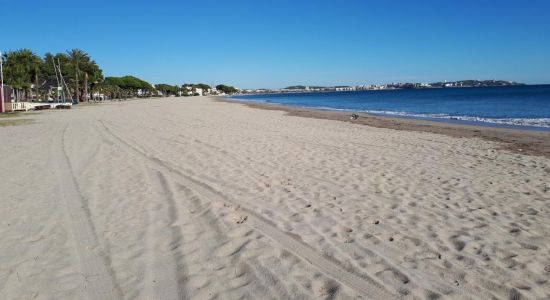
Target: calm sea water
(525, 106)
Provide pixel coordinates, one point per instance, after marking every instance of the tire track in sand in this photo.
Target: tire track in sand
(163, 277)
(181, 234)
(98, 278)
(363, 285)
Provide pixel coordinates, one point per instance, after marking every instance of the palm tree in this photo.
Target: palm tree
(82, 66)
(21, 68)
(92, 73)
(77, 59)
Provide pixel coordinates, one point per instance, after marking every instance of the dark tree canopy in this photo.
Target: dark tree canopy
(129, 83)
(167, 89)
(226, 89)
(20, 68)
(203, 86)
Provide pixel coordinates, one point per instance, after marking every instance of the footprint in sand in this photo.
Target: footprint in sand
(296, 217)
(457, 244)
(231, 247)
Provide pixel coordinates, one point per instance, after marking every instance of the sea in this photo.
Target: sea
(523, 107)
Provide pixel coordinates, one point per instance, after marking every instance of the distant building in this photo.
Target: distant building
(344, 88)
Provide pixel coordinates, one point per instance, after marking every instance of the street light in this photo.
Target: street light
(2, 84)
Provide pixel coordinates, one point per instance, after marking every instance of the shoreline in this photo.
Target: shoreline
(449, 120)
(520, 141)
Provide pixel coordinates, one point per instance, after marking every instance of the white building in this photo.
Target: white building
(345, 88)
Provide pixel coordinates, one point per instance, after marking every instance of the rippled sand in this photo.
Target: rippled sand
(192, 198)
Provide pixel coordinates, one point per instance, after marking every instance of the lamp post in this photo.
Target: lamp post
(2, 84)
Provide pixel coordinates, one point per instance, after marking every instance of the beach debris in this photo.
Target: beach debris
(354, 117)
(376, 222)
(242, 219)
(328, 288)
(391, 239)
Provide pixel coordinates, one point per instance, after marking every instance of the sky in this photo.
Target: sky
(273, 44)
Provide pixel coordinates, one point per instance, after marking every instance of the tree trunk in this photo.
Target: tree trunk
(76, 90)
(36, 85)
(85, 86)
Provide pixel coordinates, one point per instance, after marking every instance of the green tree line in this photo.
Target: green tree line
(36, 78)
(29, 74)
(226, 89)
(23, 69)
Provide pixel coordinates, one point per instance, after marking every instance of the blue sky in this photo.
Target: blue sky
(254, 44)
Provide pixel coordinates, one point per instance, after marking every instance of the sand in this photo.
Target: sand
(181, 198)
(516, 140)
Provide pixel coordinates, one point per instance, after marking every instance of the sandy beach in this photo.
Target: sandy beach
(195, 198)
